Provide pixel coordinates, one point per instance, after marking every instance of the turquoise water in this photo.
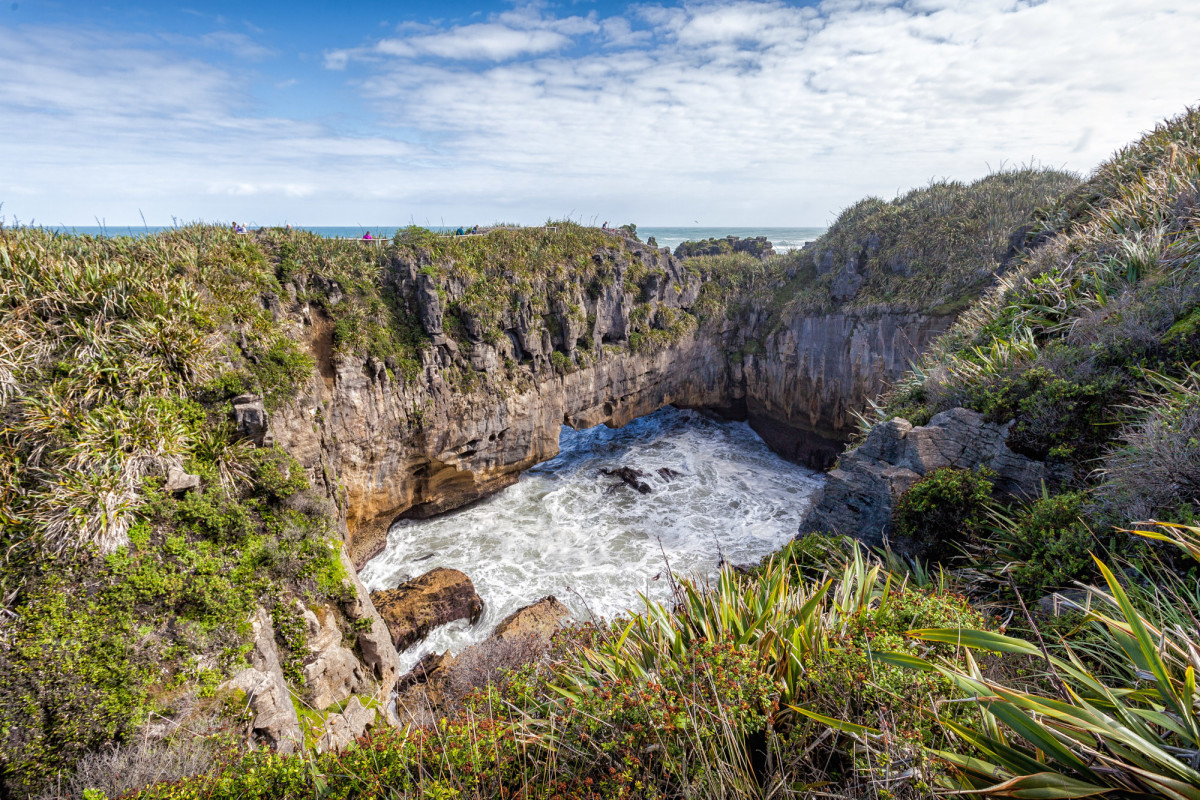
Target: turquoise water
(784, 239)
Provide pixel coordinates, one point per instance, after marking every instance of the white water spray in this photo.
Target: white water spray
(568, 530)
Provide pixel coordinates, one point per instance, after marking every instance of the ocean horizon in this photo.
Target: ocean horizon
(783, 238)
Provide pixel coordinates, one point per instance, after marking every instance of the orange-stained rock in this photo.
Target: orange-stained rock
(413, 609)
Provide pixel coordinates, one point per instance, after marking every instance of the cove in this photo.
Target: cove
(565, 528)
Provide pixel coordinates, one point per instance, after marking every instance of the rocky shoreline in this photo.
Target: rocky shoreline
(387, 447)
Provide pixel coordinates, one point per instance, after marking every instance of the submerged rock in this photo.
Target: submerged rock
(413, 609)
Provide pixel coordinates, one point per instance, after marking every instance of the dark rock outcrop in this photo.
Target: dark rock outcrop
(757, 246)
(250, 419)
(415, 608)
(859, 495)
(629, 477)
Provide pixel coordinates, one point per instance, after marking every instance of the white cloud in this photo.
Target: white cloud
(483, 41)
(519, 32)
(738, 112)
(800, 111)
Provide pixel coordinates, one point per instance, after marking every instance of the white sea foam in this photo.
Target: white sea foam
(565, 529)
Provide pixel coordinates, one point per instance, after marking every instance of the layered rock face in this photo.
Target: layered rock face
(816, 370)
(490, 402)
(859, 495)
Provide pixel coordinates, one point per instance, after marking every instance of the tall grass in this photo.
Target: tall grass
(1080, 734)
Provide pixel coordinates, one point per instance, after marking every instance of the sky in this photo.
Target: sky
(708, 112)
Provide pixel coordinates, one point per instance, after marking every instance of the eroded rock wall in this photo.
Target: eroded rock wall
(486, 406)
(816, 370)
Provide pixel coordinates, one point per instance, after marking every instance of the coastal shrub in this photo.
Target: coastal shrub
(281, 371)
(847, 681)
(71, 680)
(561, 362)
(946, 507)
(276, 474)
(115, 770)
(1154, 468)
(1084, 734)
(291, 634)
(1050, 543)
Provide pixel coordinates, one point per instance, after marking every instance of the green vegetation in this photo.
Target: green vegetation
(933, 249)
(946, 507)
(117, 360)
(1086, 345)
(826, 671)
(728, 693)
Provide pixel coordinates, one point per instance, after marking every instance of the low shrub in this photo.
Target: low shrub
(945, 508)
(1050, 543)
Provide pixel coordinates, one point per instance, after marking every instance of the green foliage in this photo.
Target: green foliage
(947, 506)
(71, 679)
(214, 514)
(1049, 542)
(276, 474)
(1086, 341)
(291, 633)
(1093, 735)
(281, 371)
(561, 362)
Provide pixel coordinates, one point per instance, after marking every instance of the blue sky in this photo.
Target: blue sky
(734, 112)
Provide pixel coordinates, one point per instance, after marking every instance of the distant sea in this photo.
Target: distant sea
(784, 239)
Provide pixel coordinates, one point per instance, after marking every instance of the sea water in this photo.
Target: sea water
(784, 239)
(567, 529)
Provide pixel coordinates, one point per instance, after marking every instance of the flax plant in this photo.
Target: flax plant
(1085, 735)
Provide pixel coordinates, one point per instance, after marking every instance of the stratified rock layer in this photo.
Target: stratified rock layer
(858, 497)
(386, 446)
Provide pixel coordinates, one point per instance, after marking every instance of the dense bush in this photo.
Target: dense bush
(1050, 544)
(945, 508)
(1085, 344)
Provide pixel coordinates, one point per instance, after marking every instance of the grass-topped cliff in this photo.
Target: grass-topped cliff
(1087, 345)
(833, 672)
(125, 598)
(931, 250)
(829, 671)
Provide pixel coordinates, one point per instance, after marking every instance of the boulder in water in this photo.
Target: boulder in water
(413, 609)
(668, 474)
(630, 477)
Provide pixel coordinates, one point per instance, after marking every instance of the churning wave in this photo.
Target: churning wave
(567, 529)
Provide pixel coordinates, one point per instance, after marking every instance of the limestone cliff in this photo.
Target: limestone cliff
(490, 402)
(816, 370)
